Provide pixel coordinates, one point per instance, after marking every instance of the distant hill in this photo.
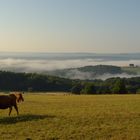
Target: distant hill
(87, 72)
(101, 69)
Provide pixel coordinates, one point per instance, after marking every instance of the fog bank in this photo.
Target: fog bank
(44, 65)
(31, 65)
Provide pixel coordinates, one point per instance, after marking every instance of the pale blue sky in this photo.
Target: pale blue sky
(98, 26)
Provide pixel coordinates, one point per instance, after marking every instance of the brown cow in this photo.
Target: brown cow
(8, 101)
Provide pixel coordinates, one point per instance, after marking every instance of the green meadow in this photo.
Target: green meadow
(132, 70)
(73, 117)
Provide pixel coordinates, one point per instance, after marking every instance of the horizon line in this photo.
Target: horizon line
(35, 52)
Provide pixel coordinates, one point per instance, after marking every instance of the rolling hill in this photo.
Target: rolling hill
(90, 72)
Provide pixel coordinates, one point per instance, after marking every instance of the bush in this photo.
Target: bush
(119, 87)
(89, 89)
(138, 91)
(76, 89)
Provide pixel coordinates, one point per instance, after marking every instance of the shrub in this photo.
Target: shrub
(89, 89)
(76, 89)
(119, 87)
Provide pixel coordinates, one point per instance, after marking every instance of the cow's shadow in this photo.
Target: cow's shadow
(23, 118)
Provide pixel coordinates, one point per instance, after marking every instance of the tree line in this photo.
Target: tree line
(10, 81)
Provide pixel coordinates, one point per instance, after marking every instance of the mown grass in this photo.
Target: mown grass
(50, 117)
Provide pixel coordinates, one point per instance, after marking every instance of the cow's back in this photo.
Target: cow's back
(5, 101)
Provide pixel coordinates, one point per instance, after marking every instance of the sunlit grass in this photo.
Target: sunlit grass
(135, 70)
(44, 117)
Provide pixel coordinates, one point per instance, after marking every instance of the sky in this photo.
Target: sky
(98, 26)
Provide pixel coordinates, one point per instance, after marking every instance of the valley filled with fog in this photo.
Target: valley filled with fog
(47, 62)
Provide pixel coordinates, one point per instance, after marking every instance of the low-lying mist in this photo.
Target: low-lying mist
(44, 65)
(76, 74)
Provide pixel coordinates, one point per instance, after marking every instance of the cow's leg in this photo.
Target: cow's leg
(16, 108)
(10, 109)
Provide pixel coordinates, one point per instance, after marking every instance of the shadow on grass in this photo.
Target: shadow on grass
(23, 118)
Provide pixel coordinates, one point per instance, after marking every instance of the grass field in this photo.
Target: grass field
(50, 117)
(131, 70)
